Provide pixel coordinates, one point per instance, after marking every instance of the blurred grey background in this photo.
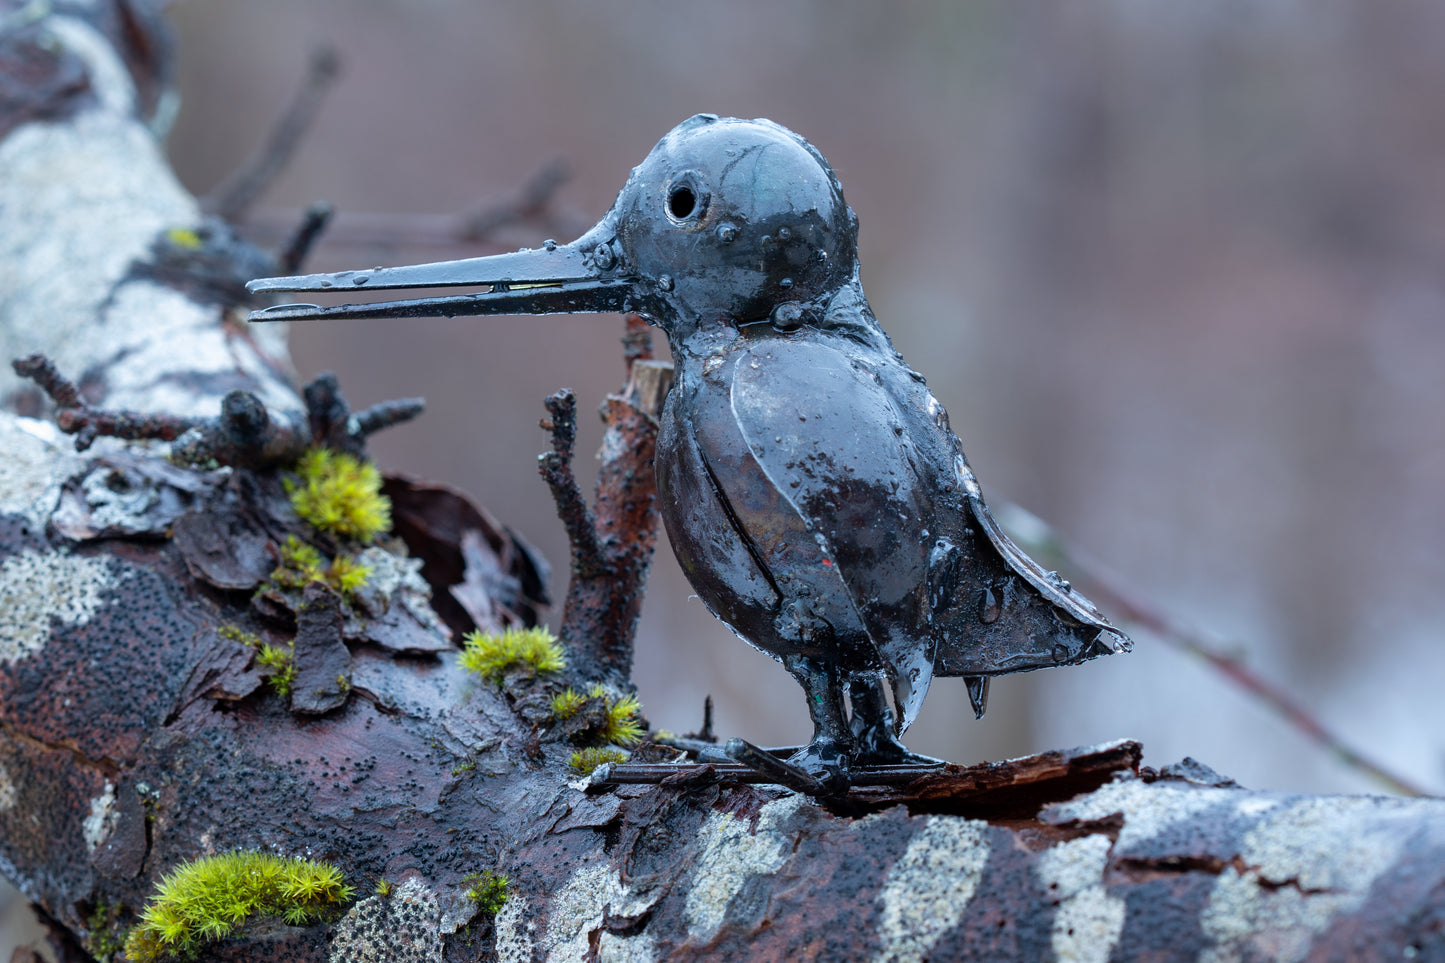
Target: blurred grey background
(1177, 271)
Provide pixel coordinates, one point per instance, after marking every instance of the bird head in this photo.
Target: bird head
(725, 221)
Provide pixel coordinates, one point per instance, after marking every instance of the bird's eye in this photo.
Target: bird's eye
(686, 201)
(681, 202)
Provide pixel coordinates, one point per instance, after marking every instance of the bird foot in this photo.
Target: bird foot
(813, 780)
(875, 746)
(826, 760)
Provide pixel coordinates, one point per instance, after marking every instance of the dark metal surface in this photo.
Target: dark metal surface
(809, 481)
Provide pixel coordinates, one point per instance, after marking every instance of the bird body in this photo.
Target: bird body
(811, 486)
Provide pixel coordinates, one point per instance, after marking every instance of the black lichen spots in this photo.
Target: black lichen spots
(107, 683)
(42, 823)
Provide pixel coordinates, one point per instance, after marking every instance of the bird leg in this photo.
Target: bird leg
(872, 724)
(826, 757)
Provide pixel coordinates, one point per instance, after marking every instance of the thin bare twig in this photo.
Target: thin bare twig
(1039, 539)
(530, 203)
(234, 196)
(534, 205)
(244, 434)
(556, 469)
(304, 237)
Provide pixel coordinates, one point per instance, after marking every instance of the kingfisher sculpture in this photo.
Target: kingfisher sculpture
(809, 481)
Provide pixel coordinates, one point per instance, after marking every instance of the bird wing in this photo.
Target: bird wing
(818, 421)
(1057, 591)
(995, 609)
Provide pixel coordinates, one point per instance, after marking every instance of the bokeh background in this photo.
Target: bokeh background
(1177, 271)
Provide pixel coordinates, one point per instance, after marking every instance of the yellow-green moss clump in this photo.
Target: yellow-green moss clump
(622, 725)
(488, 890)
(566, 704)
(492, 655)
(278, 661)
(209, 898)
(586, 760)
(339, 494)
(302, 564)
(186, 238)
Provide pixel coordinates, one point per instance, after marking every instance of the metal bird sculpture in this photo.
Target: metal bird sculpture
(810, 484)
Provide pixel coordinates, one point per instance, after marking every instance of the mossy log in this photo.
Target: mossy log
(135, 734)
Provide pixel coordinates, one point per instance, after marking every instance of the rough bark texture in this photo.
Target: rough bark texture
(133, 735)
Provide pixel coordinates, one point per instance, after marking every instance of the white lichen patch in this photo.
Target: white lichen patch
(731, 855)
(8, 793)
(572, 916)
(40, 590)
(1148, 808)
(399, 928)
(515, 931)
(1307, 862)
(101, 820)
(83, 200)
(928, 888)
(1089, 920)
(37, 461)
(396, 580)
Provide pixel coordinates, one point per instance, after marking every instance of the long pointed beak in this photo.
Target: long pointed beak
(571, 278)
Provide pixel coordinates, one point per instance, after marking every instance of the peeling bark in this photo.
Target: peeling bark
(135, 735)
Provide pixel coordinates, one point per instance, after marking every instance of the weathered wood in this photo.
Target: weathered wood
(134, 736)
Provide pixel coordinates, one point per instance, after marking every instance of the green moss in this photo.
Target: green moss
(209, 898)
(383, 888)
(302, 564)
(488, 890)
(586, 760)
(103, 937)
(278, 662)
(339, 494)
(347, 575)
(493, 655)
(566, 704)
(281, 661)
(184, 238)
(464, 767)
(235, 634)
(622, 725)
